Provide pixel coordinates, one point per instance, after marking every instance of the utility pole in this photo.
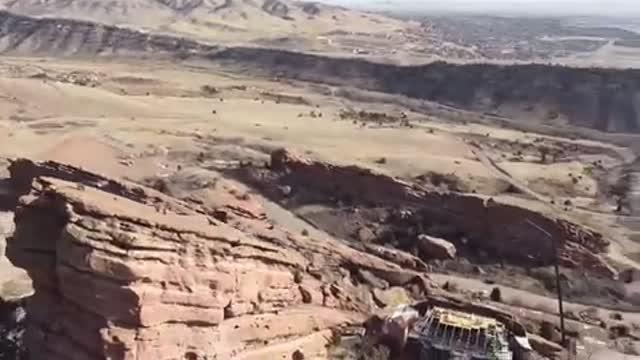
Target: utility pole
(554, 246)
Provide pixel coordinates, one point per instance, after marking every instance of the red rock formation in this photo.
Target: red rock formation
(124, 272)
(360, 183)
(498, 228)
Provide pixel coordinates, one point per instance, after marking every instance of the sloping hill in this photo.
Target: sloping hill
(27, 35)
(145, 13)
(213, 20)
(602, 99)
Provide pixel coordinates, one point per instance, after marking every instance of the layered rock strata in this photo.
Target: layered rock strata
(504, 231)
(121, 271)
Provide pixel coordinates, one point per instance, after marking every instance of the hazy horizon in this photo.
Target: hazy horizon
(620, 8)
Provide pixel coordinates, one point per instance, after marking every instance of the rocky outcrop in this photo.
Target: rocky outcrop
(346, 181)
(436, 248)
(121, 271)
(276, 8)
(504, 231)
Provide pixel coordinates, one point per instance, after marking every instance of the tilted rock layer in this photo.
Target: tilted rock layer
(500, 229)
(124, 272)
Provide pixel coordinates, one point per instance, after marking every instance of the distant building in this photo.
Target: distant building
(448, 334)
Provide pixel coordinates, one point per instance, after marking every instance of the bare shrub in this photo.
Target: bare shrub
(209, 90)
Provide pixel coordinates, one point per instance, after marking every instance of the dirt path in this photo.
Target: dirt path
(616, 252)
(497, 171)
(535, 301)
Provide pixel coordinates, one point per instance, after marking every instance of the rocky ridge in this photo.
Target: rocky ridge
(480, 223)
(121, 271)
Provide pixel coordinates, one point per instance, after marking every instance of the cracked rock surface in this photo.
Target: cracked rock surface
(121, 271)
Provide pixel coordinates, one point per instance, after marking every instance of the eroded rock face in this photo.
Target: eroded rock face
(124, 272)
(499, 229)
(351, 181)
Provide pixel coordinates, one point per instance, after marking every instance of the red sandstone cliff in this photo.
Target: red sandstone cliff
(124, 272)
(502, 230)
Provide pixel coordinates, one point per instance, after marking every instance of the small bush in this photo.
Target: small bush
(208, 89)
(496, 295)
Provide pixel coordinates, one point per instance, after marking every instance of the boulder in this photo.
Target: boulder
(402, 258)
(281, 159)
(436, 248)
(392, 297)
(368, 277)
(366, 235)
(545, 347)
